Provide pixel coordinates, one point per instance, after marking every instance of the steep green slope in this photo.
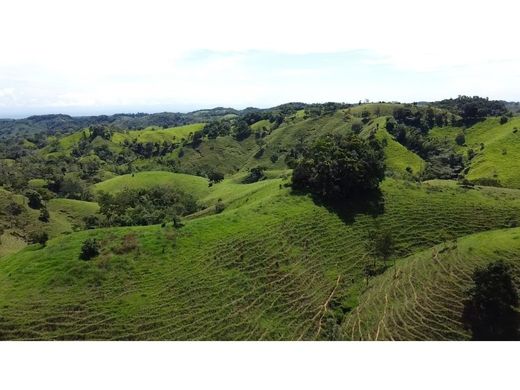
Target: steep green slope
(496, 147)
(265, 270)
(195, 185)
(499, 159)
(65, 216)
(397, 157)
(422, 297)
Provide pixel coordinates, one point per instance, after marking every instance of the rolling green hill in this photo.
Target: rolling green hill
(421, 298)
(268, 269)
(195, 185)
(257, 261)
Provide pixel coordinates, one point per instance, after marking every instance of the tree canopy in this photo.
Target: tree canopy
(338, 166)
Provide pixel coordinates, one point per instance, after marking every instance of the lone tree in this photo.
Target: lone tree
(338, 167)
(381, 243)
(491, 311)
(89, 249)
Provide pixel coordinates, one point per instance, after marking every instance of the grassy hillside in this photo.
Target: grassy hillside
(421, 298)
(497, 147)
(195, 185)
(397, 157)
(498, 159)
(153, 134)
(269, 269)
(66, 215)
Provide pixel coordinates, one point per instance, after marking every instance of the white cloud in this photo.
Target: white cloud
(94, 53)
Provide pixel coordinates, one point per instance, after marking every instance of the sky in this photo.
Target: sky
(93, 57)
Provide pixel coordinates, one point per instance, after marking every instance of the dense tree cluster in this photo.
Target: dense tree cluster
(472, 109)
(144, 206)
(337, 167)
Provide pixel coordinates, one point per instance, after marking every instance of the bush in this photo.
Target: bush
(219, 207)
(357, 127)
(255, 174)
(44, 215)
(460, 139)
(14, 208)
(337, 167)
(503, 119)
(34, 199)
(215, 177)
(89, 249)
(39, 237)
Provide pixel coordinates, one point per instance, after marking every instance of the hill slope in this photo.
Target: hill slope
(421, 299)
(265, 270)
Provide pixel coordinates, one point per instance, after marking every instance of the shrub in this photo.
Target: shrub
(219, 207)
(38, 237)
(177, 222)
(357, 127)
(44, 215)
(89, 249)
(503, 119)
(255, 174)
(34, 199)
(215, 177)
(14, 208)
(460, 139)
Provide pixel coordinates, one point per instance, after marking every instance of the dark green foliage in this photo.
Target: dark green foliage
(503, 119)
(216, 129)
(242, 130)
(489, 311)
(38, 237)
(44, 215)
(177, 222)
(197, 138)
(337, 167)
(215, 177)
(460, 139)
(255, 174)
(14, 208)
(91, 221)
(34, 199)
(89, 249)
(357, 127)
(219, 207)
(381, 244)
(100, 131)
(145, 206)
(473, 109)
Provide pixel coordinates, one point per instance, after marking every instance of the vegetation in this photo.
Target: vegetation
(338, 167)
(196, 226)
(491, 311)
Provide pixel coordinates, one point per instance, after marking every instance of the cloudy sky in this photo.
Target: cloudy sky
(82, 57)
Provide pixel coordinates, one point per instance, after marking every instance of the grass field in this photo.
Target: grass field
(421, 298)
(264, 270)
(194, 185)
(497, 148)
(153, 134)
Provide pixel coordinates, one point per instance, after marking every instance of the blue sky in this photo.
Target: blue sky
(105, 57)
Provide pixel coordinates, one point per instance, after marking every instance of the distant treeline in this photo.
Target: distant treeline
(59, 123)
